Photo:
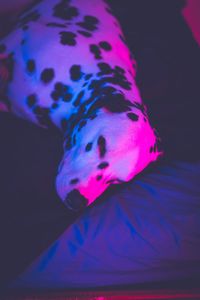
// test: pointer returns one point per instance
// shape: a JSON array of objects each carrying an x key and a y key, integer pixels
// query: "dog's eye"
[{"x": 115, "y": 181}]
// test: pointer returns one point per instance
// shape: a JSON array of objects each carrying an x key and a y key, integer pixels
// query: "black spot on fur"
[
  {"x": 75, "y": 72},
  {"x": 30, "y": 65},
  {"x": 67, "y": 38},
  {"x": 72, "y": 122},
  {"x": 74, "y": 181},
  {"x": 91, "y": 19},
  {"x": 55, "y": 95},
  {"x": 84, "y": 33},
  {"x": 31, "y": 100},
  {"x": 54, "y": 24},
  {"x": 42, "y": 114},
  {"x": 104, "y": 68},
  {"x": 133, "y": 116},
  {"x": 67, "y": 97},
  {"x": 105, "y": 46},
  {"x": 103, "y": 165},
  {"x": 60, "y": 87},
  {"x": 119, "y": 80},
  {"x": 110, "y": 98},
  {"x": 102, "y": 146},
  {"x": 61, "y": 92},
  {"x": 78, "y": 98},
  {"x": 37, "y": 110},
  {"x": 117, "y": 104},
  {"x": 108, "y": 90},
  {"x": 89, "y": 23},
  {"x": 2, "y": 48},
  {"x": 82, "y": 124},
  {"x": 119, "y": 70},
  {"x": 151, "y": 149},
  {"x": 94, "y": 49},
  {"x": 94, "y": 107},
  {"x": 88, "y": 147},
  {"x": 64, "y": 11},
  {"x": 47, "y": 75},
  {"x": 90, "y": 100},
  {"x": 94, "y": 85},
  {"x": 68, "y": 144},
  {"x": 54, "y": 105},
  {"x": 88, "y": 76},
  {"x": 99, "y": 177}
]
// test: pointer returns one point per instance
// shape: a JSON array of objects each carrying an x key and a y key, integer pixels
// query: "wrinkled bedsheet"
[{"x": 147, "y": 230}]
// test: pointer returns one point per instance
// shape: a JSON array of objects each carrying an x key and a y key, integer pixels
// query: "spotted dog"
[{"x": 66, "y": 64}]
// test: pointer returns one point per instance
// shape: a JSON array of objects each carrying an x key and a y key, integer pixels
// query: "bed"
[{"x": 140, "y": 239}]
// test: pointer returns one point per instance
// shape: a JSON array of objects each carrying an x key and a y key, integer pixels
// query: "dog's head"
[{"x": 110, "y": 149}]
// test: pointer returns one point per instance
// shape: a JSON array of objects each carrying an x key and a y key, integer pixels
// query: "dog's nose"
[{"x": 75, "y": 201}]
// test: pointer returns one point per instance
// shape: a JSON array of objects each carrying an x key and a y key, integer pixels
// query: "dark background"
[{"x": 168, "y": 60}]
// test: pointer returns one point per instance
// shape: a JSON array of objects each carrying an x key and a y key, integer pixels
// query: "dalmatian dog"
[{"x": 66, "y": 64}]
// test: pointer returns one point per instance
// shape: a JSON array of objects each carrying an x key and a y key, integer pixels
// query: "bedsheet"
[{"x": 144, "y": 231}]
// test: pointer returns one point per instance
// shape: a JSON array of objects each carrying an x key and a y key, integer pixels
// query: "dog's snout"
[{"x": 75, "y": 201}]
